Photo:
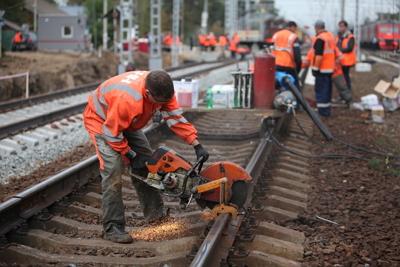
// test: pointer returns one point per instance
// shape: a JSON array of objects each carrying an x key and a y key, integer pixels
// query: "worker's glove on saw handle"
[{"x": 201, "y": 152}]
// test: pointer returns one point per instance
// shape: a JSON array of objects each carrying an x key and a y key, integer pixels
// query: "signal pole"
[
  {"x": 176, "y": 8},
  {"x": 105, "y": 34},
  {"x": 357, "y": 31},
  {"x": 342, "y": 9}
]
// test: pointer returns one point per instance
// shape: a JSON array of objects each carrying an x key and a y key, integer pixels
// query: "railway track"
[
  {"x": 57, "y": 222},
  {"x": 44, "y": 109},
  {"x": 390, "y": 57}
]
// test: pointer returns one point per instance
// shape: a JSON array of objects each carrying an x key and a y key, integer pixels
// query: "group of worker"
[
  {"x": 210, "y": 42},
  {"x": 328, "y": 56}
]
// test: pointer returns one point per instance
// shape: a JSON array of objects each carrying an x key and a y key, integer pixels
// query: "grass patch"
[{"x": 384, "y": 166}]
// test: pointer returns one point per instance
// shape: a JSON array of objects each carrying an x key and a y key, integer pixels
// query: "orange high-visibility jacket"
[
  {"x": 121, "y": 104},
  {"x": 310, "y": 56},
  {"x": 327, "y": 64},
  {"x": 18, "y": 38},
  {"x": 212, "y": 40},
  {"x": 201, "y": 38},
  {"x": 168, "y": 40},
  {"x": 234, "y": 42},
  {"x": 222, "y": 41},
  {"x": 283, "y": 48},
  {"x": 349, "y": 59}
]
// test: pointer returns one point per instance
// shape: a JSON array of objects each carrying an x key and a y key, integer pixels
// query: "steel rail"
[
  {"x": 39, "y": 120},
  {"x": 37, "y": 99},
  {"x": 215, "y": 248},
  {"x": 29, "y": 202},
  {"x": 43, "y": 119},
  {"x": 34, "y": 100}
]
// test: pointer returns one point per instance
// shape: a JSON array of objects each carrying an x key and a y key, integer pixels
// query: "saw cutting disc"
[{"x": 234, "y": 173}]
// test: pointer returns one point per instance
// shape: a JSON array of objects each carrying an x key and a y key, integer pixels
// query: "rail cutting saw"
[{"x": 221, "y": 186}]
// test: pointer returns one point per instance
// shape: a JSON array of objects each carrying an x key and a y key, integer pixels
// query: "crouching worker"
[{"x": 114, "y": 116}]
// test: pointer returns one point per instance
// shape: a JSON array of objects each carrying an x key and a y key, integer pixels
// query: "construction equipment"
[{"x": 222, "y": 186}]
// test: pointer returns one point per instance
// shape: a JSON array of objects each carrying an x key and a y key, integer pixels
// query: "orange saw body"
[{"x": 174, "y": 176}]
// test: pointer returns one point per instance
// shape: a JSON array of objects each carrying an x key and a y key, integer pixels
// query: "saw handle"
[{"x": 199, "y": 166}]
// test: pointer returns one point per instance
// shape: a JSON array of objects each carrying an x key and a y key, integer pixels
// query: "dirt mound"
[{"x": 52, "y": 71}]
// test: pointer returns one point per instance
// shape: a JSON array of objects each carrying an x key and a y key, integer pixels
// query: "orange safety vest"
[
  {"x": 222, "y": 41},
  {"x": 234, "y": 42},
  {"x": 349, "y": 59},
  {"x": 328, "y": 58},
  {"x": 310, "y": 56},
  {"x": 201, "y": 38},
  {"x": 18, "y": 38},
  {"x": 212, "y": 39},
  {"x": 283, "y": 48},
  {"x": 168, "y": 40},
  {"x": 121, "y": 104}
]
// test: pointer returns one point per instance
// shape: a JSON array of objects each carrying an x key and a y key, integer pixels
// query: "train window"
[{"x": 389, "y": 29}]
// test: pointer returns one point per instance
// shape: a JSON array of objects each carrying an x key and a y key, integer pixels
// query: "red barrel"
[{"x": 264, "y": 81}]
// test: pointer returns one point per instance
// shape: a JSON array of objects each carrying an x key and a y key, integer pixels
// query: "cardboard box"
[{"x": 389, "y": 90}]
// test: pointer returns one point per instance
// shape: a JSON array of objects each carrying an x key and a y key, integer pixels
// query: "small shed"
[
  {"x": 61, "y": 32},
  {"x": 59, "y": 28}
]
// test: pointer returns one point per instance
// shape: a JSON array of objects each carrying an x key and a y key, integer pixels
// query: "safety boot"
[{"x": 117, "y": 234}]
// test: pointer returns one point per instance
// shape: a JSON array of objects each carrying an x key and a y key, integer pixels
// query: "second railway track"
[
  {"x": 57, "y": 222},
  {"x": 44, "y": 109}
]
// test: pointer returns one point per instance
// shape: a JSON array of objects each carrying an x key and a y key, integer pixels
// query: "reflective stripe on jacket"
[
  {"x": 283, "y": 48},
  {"x": 121, "y": 104}
]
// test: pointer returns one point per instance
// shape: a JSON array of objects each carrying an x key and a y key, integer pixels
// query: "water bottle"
[{"x": 209, "y": 98}]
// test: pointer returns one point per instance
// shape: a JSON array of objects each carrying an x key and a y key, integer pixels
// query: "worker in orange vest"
[
  {"x": 286, "y": 50},
  {"x": 18, "y": 37},
  {"x": 213, "y": 40},
  {"x": 222, "y": 42},
  {"x": 337, "y": 75},
  {"x": 167, "y": 41},
  {"x": 114, "y": 117},
  {"x": 233, "y": 44},
  {"x": 206, "y": 42},
  {"x": 346, "y": 43},
  {"x": 201, "y": 38},
  {"x": 323, "y": 65}
]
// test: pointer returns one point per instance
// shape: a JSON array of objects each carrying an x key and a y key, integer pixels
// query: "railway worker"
[
  {"x": 233, "y": 44},
  {"x": 286, "y": 50},
  {"x": 322, "y": 65},
  {"x": 222, "y": 41},
  {"x": 114, "y": 116},
  {"x": 212, "y": 40},
  {"x": 346, "y": 43},
  {"x": 201, "y": 39}
]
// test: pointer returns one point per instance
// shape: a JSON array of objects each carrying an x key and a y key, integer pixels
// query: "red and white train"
[{"x": 381, "y": 35}]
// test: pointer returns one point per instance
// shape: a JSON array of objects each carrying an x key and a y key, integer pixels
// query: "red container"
[
  {"x": 264, "y": 81},
  {"x": 143, "y": 45}
]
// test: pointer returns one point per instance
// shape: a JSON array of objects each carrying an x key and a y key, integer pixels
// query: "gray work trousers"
[{"x": 111, "y": 184}]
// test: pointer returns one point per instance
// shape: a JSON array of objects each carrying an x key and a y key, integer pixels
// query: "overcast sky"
[{"x": 306, "y": 12}]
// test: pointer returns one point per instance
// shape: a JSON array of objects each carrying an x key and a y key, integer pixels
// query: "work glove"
[{"x": 201, "y": 152}]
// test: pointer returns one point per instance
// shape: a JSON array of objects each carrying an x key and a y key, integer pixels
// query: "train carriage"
[{"x": 381, "y": 35}]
